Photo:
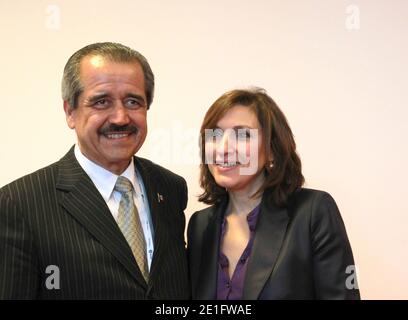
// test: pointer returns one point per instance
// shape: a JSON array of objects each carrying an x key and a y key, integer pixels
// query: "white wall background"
[{"x": 338, "y": 69}]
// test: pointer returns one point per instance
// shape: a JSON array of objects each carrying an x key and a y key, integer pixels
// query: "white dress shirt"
[{"x": 105, "y": 181}]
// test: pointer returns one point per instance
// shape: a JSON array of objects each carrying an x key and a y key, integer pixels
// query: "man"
[{"x": 100, "y": 223}]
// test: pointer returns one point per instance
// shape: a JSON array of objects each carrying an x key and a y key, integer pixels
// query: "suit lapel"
[
  {"x": 152, "y": 187},
  {"x": 207, "y": 279},
  {"x": 83, "y": 201},
  {"x": 269, "y": 235}
]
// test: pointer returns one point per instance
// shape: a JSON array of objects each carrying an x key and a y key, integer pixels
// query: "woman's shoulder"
[
  {"x": 199, "y": 222},
  {"x": 318, "y": 205},
  {"x": 203, "y": 214},
  {"x": 306, "y": 195}
]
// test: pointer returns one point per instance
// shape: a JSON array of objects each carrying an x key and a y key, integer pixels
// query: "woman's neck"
[{"x": 241, "y": 202}]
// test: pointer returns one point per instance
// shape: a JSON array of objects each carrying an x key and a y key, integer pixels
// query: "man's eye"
[
  {"x": 101, "y": 102},
  {"x": 133, "y": 103}
]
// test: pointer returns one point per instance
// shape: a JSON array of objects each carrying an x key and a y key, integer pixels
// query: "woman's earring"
[{"x": 271, "y": 164}]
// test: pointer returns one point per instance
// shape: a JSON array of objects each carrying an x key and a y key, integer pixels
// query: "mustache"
[{"x": 110, "y": 128}]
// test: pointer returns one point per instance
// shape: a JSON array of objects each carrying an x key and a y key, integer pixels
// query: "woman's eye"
[
  {"x": 243, "y": 134},
  {"x": 218, "y": 133},
  {"x": 212, "y": 135}
]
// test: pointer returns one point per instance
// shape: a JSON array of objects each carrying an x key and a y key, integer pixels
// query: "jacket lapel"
[
  {"x": 83, "y": 201},
  {"x": 269, "y": 235},
  {"x": 207, "y": 279},
  {"x": 152, "y": 187}
]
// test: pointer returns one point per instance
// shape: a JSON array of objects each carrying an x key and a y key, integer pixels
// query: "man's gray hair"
[{"x": 115, "y": 52}]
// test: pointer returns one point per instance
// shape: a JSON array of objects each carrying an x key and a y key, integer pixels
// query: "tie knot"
[{"x": 123, "y": 185}]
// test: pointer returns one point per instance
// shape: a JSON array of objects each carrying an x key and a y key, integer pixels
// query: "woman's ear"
[{"x": 270, "y": 161}]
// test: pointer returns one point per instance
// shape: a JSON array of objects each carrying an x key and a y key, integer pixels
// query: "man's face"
[{"x": 110, "y": 119}]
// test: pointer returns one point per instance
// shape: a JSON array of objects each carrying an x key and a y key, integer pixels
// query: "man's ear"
[{"x": 69, "y": 115}]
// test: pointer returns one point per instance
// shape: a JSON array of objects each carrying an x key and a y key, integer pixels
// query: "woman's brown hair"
[{"x": 285, "y": 176}]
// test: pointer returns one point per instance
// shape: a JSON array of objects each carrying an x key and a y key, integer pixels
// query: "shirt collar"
[{"x": 103, "y": 179}]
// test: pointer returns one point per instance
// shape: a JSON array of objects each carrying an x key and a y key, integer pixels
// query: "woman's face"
[{"x": 234, "y": 151}]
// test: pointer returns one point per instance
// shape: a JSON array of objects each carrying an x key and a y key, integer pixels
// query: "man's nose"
[{"x": 120, "y": 114}]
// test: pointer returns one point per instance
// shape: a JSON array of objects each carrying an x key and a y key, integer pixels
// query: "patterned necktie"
[{"x": 129, "y": 223}]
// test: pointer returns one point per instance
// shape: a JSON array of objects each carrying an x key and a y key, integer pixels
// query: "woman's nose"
[{"x": 226, "y": 146}]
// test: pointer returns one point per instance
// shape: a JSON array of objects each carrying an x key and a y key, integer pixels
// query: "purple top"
[{"x": 233, "y": 289}]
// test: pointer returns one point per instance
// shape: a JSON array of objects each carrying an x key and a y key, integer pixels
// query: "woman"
[{"x": 264, "y": 236}]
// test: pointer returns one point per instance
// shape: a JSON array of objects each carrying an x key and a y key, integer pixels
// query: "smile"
[
  {"x": 117, "y": 135},
  {"x": 227, "y": 165}
]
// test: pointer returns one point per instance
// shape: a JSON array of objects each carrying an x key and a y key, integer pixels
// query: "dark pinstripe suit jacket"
[{"x": 56, "y": 216}]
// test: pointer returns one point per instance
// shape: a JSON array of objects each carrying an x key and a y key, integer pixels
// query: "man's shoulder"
[
  {"x": 154, "y": 169},
  {"x": 32, "y": 182},
  {"x": 44, "y": 177}
]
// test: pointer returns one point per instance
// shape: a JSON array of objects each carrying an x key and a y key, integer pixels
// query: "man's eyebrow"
[
  {"x": 136, "y": 96},
  {"x": 96, "y": 97},
  {"x": 103, "y": 95}
]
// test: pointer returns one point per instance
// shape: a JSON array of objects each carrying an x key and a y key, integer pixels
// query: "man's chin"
[
  {"x": 119, "y": 156},
  {"x": 116, "y": 164}
]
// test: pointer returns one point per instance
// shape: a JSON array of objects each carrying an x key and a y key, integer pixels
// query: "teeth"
[
  {"x": 117, "y": 135},
  {"x": 228, "y": 165}
]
